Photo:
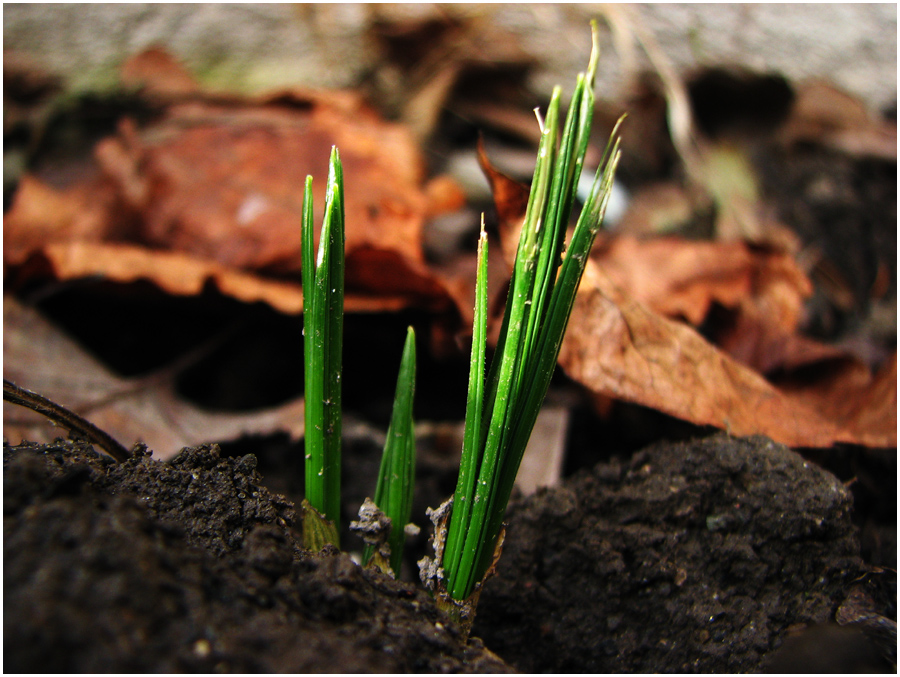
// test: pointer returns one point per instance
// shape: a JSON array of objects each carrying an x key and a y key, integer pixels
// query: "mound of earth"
[{"x": 193, "y": 566}]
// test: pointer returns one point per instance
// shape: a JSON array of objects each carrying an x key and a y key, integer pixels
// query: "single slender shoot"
[
  {"x": 502, "y": 410},
  {"x": 323, "y": 319},
  {"x": 394, "y": 490}
]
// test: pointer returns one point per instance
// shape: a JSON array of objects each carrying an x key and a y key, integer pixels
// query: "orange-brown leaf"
[{"x": 621, "y": 345}]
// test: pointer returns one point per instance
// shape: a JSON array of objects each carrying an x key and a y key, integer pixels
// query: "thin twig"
[{"x": 64, "y": 418}]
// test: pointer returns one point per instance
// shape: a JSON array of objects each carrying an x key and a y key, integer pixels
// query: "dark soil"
[
  {"x": 193, "y": 566},
  {"x": 692, "y": 557}
]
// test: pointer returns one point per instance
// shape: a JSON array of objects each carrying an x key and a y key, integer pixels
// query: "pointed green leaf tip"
[
  {"x": 323, "y": 319},
  {"x": 394, "y": 491},
  {"x": 501, "y": 413}
]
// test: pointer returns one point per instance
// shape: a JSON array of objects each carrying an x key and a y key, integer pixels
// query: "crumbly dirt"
[
  {"x": 693, "y": 557},
  {"x": 193, "y": 566}
]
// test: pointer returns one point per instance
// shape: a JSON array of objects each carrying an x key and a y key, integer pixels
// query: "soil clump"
[
  {"x": 192, "y": 565},
  {"x": 692, "y": 557},
  {"x": 700, "y": 557}
]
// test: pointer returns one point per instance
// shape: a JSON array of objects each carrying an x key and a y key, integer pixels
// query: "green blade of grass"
[
  {"x": 522, "y": 421},
  {"x": 334, "y": 318},
  {"x": 313, "y": 361},
  {"x": 540, "y": 300},
  {"x": 323, "y": 292},
  {"x": 510, "y": 360},
  {"x": 394, "y": 490},
  {"x": 465, "y": 487}
]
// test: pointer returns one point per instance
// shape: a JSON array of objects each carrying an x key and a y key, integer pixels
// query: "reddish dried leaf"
[
  {"x": 40, "y": 215},
  {"x": 681, "y": 279},
  {"x": 184, "y": 275},
  {"x": 618, "y": 347},
  {"x": 510, "y": 197},
  {"x": 844, "y": 390},
  {"x": 214, "y": 192},
  {"x": 225, "y": 183},
  {"x": 824, "y": 114}
]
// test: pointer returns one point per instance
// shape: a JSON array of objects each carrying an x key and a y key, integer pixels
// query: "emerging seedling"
[
  {"x": 323, "y": 323},
  {"x": 502, "y": 410},
  {"x": 394, "y": 491}
]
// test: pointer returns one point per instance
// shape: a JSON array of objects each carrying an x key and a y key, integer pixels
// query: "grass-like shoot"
[
  {"x": 323, "y": 323},
  {"x": 394, "y": 490},
  {"x": 501, "y": 410}
]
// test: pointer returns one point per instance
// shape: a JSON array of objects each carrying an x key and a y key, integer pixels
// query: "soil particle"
[
  {"x": 192, "y": 566},
  {"x": 695, "y": 557}
]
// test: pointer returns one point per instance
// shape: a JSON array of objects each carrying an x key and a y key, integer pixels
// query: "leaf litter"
[
  {"x": 208, "y": 193},
  {"x": 621, "y": 343},
  {"x": 41, "y": 357},
  {"x": 168, "y": 198}
]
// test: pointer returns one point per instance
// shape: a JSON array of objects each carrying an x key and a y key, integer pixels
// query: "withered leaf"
[
  {"x": 618, "y": 346},
  {"x": 40, "y": 357},
  {"x": 681, "y": 278},
  {"x": 216, "y": 186},
  {"x": 826, "y": 115}
]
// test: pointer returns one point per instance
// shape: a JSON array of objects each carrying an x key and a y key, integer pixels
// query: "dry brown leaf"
[
  {"x": 681, "y": 278},
  {"x": 226, "y": 183},
  {"x": 845, "y": 391},
  {"x": 618, "y": 347},
  {"x": 38, "y": 356},
  {"x": 217, "y": 187},
  {"x": 824, "y": 114},
  {"x": 40, "y": 214},
  {"x": 183, "y": 275}
]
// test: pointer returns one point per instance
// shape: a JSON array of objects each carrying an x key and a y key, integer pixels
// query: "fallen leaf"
[
  {"x": 158, "y": 74},
  {"x": 429, "y": 59},
  {"x": 40, "y": 214},
  {"x": 40, "y": 357},
  {"x": 226, "y": 183},
  {"x": 824, "y": 114},
  {"x": 845, "y": 391},
  {"x": 617, "y": 346},
  {"x": 681, "y": 278},
  {"x": 213, "y": 192},
  {"x": 181, "y": 275}
]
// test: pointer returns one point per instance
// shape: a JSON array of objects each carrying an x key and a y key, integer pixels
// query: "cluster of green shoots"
[{"x": 503, "y": 404}]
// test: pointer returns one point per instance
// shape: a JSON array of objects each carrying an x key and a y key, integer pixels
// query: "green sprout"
[
  {"x": 394, "y": 491},
  {"x": 323, "y": 322},
  {"x": 502, "y": 410}
]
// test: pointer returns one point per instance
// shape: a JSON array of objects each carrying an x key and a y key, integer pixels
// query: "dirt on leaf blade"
[
  {"x": 695, "y": 557},
  {"x": 192, "y": 566}
]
